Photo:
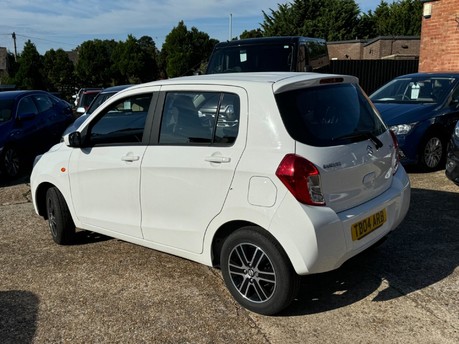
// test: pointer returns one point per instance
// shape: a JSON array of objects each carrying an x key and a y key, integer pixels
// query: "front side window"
[
  {"x": 122, "y": 122},
  {"x": 329, "y": 115},
  {"x": 6, "y": 109},
  {"x": 200, "y": 118}
]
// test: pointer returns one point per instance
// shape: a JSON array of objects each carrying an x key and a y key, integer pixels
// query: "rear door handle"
[
  {"x": 218, "y": 159},
  {"x": 130, "y": 158}
]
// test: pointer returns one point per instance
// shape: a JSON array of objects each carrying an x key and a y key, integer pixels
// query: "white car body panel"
[{"x": 105, "y": 184}]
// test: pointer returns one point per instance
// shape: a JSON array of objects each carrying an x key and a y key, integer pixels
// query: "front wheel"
[
  {"x": 257, "y": 272},
  {"x": 432, "y": 153},
  {"x": 60, "y": 221}
]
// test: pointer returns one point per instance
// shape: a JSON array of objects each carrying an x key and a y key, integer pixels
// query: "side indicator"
[{"x": 63, "y": 169}]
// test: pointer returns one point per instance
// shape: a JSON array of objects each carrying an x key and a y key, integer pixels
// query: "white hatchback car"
[{"x": 267, "y": 176}]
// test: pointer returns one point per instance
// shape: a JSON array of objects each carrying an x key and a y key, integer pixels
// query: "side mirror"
[
  {"x": 81, "y": 110},
  {"x": 73, "y": 139}
]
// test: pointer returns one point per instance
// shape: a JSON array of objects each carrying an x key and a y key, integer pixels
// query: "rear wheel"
[
  {"x": 60, "y": 221},
  {"x": 432, "y": 154},
  {"x": 257, "y": 271}
]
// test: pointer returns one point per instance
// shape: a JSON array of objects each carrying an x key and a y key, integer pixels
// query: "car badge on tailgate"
[
  {"x": 332, "y": 165},
  {"x": 369, "y": 150}
]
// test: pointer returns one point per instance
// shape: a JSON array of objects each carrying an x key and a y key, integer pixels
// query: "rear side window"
[
  {"x": 328, "y": 115},
  {"x": 43, "y": 103},
  {"x": 192, "y": 118},
  {"x": 27, "y": 106}
]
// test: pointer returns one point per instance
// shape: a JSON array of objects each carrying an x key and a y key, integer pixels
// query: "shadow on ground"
[
  {"x": 18, "y": 316},
  {"x": 421, "y": 252}
]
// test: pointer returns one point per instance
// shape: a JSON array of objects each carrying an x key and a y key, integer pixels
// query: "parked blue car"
[
  {"x": 452, "y": 158},
  {"x": 422, "y": 110},
  {"x": 30, "y": 123}
]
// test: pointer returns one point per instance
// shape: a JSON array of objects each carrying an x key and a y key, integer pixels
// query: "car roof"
[
  {"x": 21, "y": 93},
  {"x": 115, "y": 88},
  {"x": 281, "y": 81},
  {"x": 267, "y": 40},
  {"x": 430, "y": 74},
  {"x": 92, "y": 91}
]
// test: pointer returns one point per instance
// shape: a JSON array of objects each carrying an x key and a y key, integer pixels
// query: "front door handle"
[{"x": 130, "y": 158}]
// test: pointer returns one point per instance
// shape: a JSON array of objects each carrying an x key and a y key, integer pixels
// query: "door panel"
[
  {"x": 105, "y": 187},
  {"x": 186, "y": 178},
  {"x": 105, "y": 175}
]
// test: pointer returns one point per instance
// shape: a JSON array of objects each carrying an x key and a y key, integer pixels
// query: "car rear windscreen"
[{"x": 329, "y": 115}]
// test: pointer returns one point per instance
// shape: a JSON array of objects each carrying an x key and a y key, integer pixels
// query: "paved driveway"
[{"x": 109, "y": 291}]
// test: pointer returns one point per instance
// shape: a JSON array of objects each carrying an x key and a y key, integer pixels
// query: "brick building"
[
  {"x": 384, "y": 47},
  {"x": 440, "y": 36}
]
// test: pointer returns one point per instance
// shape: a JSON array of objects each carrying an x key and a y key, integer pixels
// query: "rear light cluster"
[
  {"x": 397, "y": 155},
  {"x": 302, "y": 179}
]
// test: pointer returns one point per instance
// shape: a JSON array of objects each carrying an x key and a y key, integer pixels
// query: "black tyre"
[
  {"x": 432, "y": 153},
  {"x": 60, "y": 221},
  {"x": 257, "y": 271},
  {"x": 10, "y": 163}
]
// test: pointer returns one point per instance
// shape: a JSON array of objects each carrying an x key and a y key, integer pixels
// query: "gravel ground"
[{"x": 103, "y": 290}]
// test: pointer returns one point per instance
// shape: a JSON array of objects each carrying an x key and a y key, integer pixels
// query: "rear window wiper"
[{"x": 359, "y": 135}]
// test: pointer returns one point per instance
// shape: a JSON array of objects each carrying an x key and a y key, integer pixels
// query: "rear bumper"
[{"x": 322, "y": 240}]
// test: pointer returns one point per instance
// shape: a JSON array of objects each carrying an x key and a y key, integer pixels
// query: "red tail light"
[
  {"x": 301, "y": 178},
  {"x": 396, "y": 157}
]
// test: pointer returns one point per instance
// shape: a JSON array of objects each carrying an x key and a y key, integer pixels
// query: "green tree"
[
  {"x": 96, "y": 66},
  {"x": 184, "y": 51},
  {"x": 59, "y": 70},
  {"x": 255, "y": 33},
  {"x": 136, "y": 60},
  {"x": 400, "y": 18},
  {"x": 337, "y": 20},
  {"x": 332, "y": 20},
  {"x": 30, "y": 72},
  {"x": 151, "y": 55}
]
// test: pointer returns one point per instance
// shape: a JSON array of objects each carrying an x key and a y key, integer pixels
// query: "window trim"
[
  {"x": 157, "y": 120},
  {"x": 147, "y": 127}
]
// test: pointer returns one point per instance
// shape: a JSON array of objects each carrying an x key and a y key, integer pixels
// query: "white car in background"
[{"x": 266, "y": 176}]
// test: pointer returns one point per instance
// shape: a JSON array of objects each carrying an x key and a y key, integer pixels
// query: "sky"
[{"x": 68, "y": 23}]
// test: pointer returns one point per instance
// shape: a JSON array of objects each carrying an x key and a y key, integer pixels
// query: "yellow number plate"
[{"x": 368, "y": 225}]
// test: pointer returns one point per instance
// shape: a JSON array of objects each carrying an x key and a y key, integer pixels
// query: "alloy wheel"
[
  {"x": 52, "y": 218},
  {"x": 11, "y": 162},
  {"x": 252, "y": 272},
  {"x": 433, "y": 152}
]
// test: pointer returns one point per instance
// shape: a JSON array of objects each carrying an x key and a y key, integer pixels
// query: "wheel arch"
[
  {"x": 40, "y": 198},
  {"x": 230, "y": 227},
  {"x": 435, "y": 128}
]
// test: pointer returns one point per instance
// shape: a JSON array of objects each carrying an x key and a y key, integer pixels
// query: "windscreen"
[
  {"x": 252, "y": 58},
  {"x": 329, "y": 115},
  {"x": 426, "y": 89}
]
